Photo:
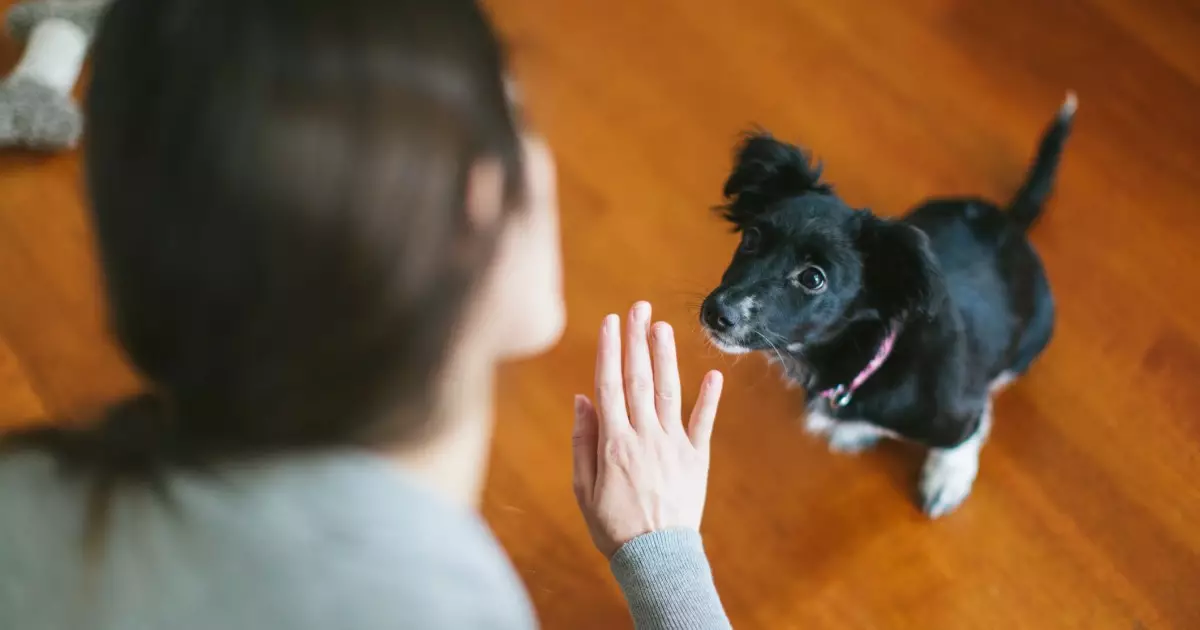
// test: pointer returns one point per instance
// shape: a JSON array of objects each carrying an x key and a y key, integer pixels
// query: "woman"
[{"x": 321, "y": 228}]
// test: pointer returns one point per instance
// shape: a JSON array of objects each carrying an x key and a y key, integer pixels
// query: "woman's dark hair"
[{"x": 278, "y": 192}]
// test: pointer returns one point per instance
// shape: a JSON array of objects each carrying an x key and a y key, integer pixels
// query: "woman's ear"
[
  {"x": 901, "y": 276},
  {"x": 520, "y": 309},
  {"x": 485, "y": 194},
  {"x": 767, "y": 170}
]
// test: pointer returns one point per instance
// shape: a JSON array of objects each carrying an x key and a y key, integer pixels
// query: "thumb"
[
  {"x": 583, "y": 445},
  {"x": 704, "y": 414}
]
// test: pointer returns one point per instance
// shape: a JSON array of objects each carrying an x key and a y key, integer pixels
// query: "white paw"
[
  {"x": 853, "y": 437},
  {"x": 946, "y": 480},
  {"x": 818, "y": 423},
  {"x": 843, "y": 436},
  {"x": 949, "y": 473}
]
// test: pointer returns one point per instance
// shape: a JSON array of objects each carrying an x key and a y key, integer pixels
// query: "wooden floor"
[{"x": 1087, "y": 510}]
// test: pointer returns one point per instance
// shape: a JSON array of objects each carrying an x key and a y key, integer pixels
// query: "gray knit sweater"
[{"x": 342, "y": 541}]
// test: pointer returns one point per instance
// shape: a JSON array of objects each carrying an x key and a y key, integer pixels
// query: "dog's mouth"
[
  {"x": 727, "y": 343},
  {"x": 744, "y": 339}
]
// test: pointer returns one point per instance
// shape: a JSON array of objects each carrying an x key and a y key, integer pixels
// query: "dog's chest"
[{"x": 821, "y": 418}]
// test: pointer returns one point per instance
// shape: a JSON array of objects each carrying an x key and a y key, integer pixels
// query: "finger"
[
  {"x": 639, "y": 376},
  {"x": 704, "y": 414},
  {"x": 583, "y": 448},
  {"x": 610, "y": 390},
  {"x": 666, "y": 378}
]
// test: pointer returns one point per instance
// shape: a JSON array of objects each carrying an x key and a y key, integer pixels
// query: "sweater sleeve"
[{"x": 667, "y": 582}]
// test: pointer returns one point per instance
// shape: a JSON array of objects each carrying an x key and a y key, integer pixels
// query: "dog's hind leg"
[
  {"x": 1034, "y": 339},
  {"x": 949, "y": 473}
]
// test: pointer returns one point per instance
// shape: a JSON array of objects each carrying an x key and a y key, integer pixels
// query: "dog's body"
[{"x": 899, "y": 329}]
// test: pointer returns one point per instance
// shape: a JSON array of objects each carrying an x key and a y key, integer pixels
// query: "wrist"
[{"x": 665, "y": 574}]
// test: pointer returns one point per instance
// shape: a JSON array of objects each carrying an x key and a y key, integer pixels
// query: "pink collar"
[{"x": 840, "y": 396}]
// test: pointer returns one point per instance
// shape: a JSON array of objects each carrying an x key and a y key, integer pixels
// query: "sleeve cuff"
[{"x": 667, "y": 581}]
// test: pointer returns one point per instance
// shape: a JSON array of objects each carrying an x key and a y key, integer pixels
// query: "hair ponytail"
[{"x": 135, "y": 439}]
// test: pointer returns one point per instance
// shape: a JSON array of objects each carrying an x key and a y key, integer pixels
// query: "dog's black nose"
[{"x": 717, "y": 315}]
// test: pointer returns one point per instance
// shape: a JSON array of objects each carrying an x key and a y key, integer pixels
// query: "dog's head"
[{"x": 808, "y": 265}]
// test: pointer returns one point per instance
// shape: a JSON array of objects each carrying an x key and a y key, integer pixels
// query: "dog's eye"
[
  {"x": 750, "y": 240},
  {"x": 811, "y": 279}
]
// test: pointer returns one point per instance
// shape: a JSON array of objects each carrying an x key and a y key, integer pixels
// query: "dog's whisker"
[
  {"x": 778, "y": 354},
  {"x": 770, "y": 345}
]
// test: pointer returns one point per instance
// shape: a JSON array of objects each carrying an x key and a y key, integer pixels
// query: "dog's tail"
[{"x": 1039, "y": 182}]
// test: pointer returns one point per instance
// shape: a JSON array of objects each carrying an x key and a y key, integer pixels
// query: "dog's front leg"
[
  {"x": 843, "y": 436},
  {"x": 949, "y": 473}
]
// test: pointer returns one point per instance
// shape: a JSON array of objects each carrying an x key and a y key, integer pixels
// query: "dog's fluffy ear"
[
  {"x": 766, "y": 170},
  {"x": 901, "y": 277}
]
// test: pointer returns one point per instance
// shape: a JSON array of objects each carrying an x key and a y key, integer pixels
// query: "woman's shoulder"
[
  {"x": 36, "y": 501},
  {"x": 341, "y": 540}
]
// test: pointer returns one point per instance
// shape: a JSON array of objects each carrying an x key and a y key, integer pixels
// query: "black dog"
[{"x": 898, "y": 328}]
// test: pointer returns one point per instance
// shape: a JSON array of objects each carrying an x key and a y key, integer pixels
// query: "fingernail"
[
  {"x": 578, "y": 406},
  {"x": 663, "y": 331},
  {"x": 641, "y": 311}
]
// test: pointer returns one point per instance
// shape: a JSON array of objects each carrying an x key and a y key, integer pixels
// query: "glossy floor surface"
[{"x": 1086, "y": 513}]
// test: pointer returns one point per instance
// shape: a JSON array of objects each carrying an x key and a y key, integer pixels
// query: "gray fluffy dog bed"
[{"x": 37, "y": 110}]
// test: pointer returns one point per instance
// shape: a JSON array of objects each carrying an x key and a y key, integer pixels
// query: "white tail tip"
[{"x": 1070, "y": 104}]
